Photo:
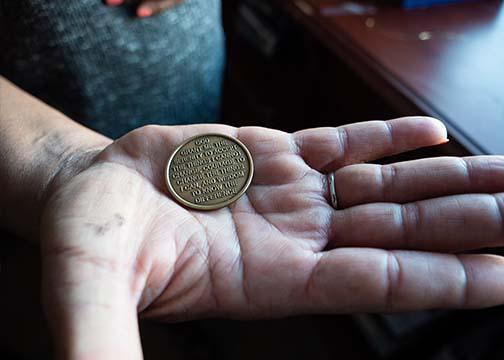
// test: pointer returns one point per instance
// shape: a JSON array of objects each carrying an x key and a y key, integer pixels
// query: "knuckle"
[{"x": 393, "y": 280}]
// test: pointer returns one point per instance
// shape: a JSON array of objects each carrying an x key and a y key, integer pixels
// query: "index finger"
[{"x": 349, "y": 280}]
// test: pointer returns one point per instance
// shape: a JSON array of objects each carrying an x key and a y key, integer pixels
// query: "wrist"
[
  {"x": 70, "y": 165},
  {"x": 40, "y": 148},
  {"x": 53, "y": 173}
]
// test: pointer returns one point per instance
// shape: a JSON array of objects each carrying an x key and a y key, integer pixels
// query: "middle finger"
[{"x": 452, "y": 223}]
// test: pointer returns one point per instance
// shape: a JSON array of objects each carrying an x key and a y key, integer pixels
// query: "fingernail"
[
  {"x": 144, "y": 11},
  {"x": 114, "y": 2}
]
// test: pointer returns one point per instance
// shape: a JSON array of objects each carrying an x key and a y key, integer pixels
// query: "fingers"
[
  {"x": 148, "y": 7},
  {"x": 328, "y": 149},
  {"x": 451, "y": 223},
  {"x": 152, "y": 7},
  {"x": 418, "y": 180},
  {"x": 349, "y": 280},
  {"x": 114, "y": 2},
  {"x": 276, "y": 154}
]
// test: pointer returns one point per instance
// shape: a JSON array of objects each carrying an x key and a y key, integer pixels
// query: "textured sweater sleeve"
[{"x": 108, "y": 69}]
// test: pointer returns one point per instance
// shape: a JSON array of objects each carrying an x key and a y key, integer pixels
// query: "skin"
[
  {"x": 116, "y": 246},
  {"x": 147, "y": 8}
]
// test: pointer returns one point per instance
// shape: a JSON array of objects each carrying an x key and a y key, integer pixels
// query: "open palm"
[{"x": 115, "y": 244}]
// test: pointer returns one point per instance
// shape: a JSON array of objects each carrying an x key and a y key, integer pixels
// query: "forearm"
[{"x": 37, "y": 143}]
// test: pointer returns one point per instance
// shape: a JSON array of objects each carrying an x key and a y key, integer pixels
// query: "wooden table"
[{"x": 445, "y": 61}]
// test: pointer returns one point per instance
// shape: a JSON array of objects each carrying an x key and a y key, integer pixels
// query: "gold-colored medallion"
[{"x": 209, "y": 172}]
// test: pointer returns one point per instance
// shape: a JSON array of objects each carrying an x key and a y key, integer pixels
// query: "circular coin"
[{"x": 209, "y": 172}]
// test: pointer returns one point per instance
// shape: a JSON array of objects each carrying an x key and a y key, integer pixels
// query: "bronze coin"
[{"x": 209, "y": 172}]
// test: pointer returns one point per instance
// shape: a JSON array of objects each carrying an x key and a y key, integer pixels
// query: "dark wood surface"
[{"x": 444, "y": 61}]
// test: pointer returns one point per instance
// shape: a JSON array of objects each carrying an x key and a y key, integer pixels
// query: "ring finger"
[{"x": 417, "y": 180}]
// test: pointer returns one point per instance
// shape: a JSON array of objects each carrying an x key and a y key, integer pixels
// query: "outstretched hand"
[{"x": 116, "y": 245}]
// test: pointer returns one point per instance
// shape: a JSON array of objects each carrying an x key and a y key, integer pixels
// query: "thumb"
[
  {"x": 87, "y": 288},
  {"x": 90, "y": 280},
  {"x": 91, "y": 312}
]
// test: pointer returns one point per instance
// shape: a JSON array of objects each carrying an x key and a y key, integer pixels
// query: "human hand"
[
  {"x": 115, "y": 244},
  {"x": 148, "y": 8}
]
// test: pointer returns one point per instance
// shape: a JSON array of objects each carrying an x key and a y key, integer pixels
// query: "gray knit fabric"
[{"x": 108, "y": 69}]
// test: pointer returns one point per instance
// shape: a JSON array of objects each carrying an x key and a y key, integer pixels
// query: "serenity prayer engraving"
[{"x": 209, "y": 172}]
